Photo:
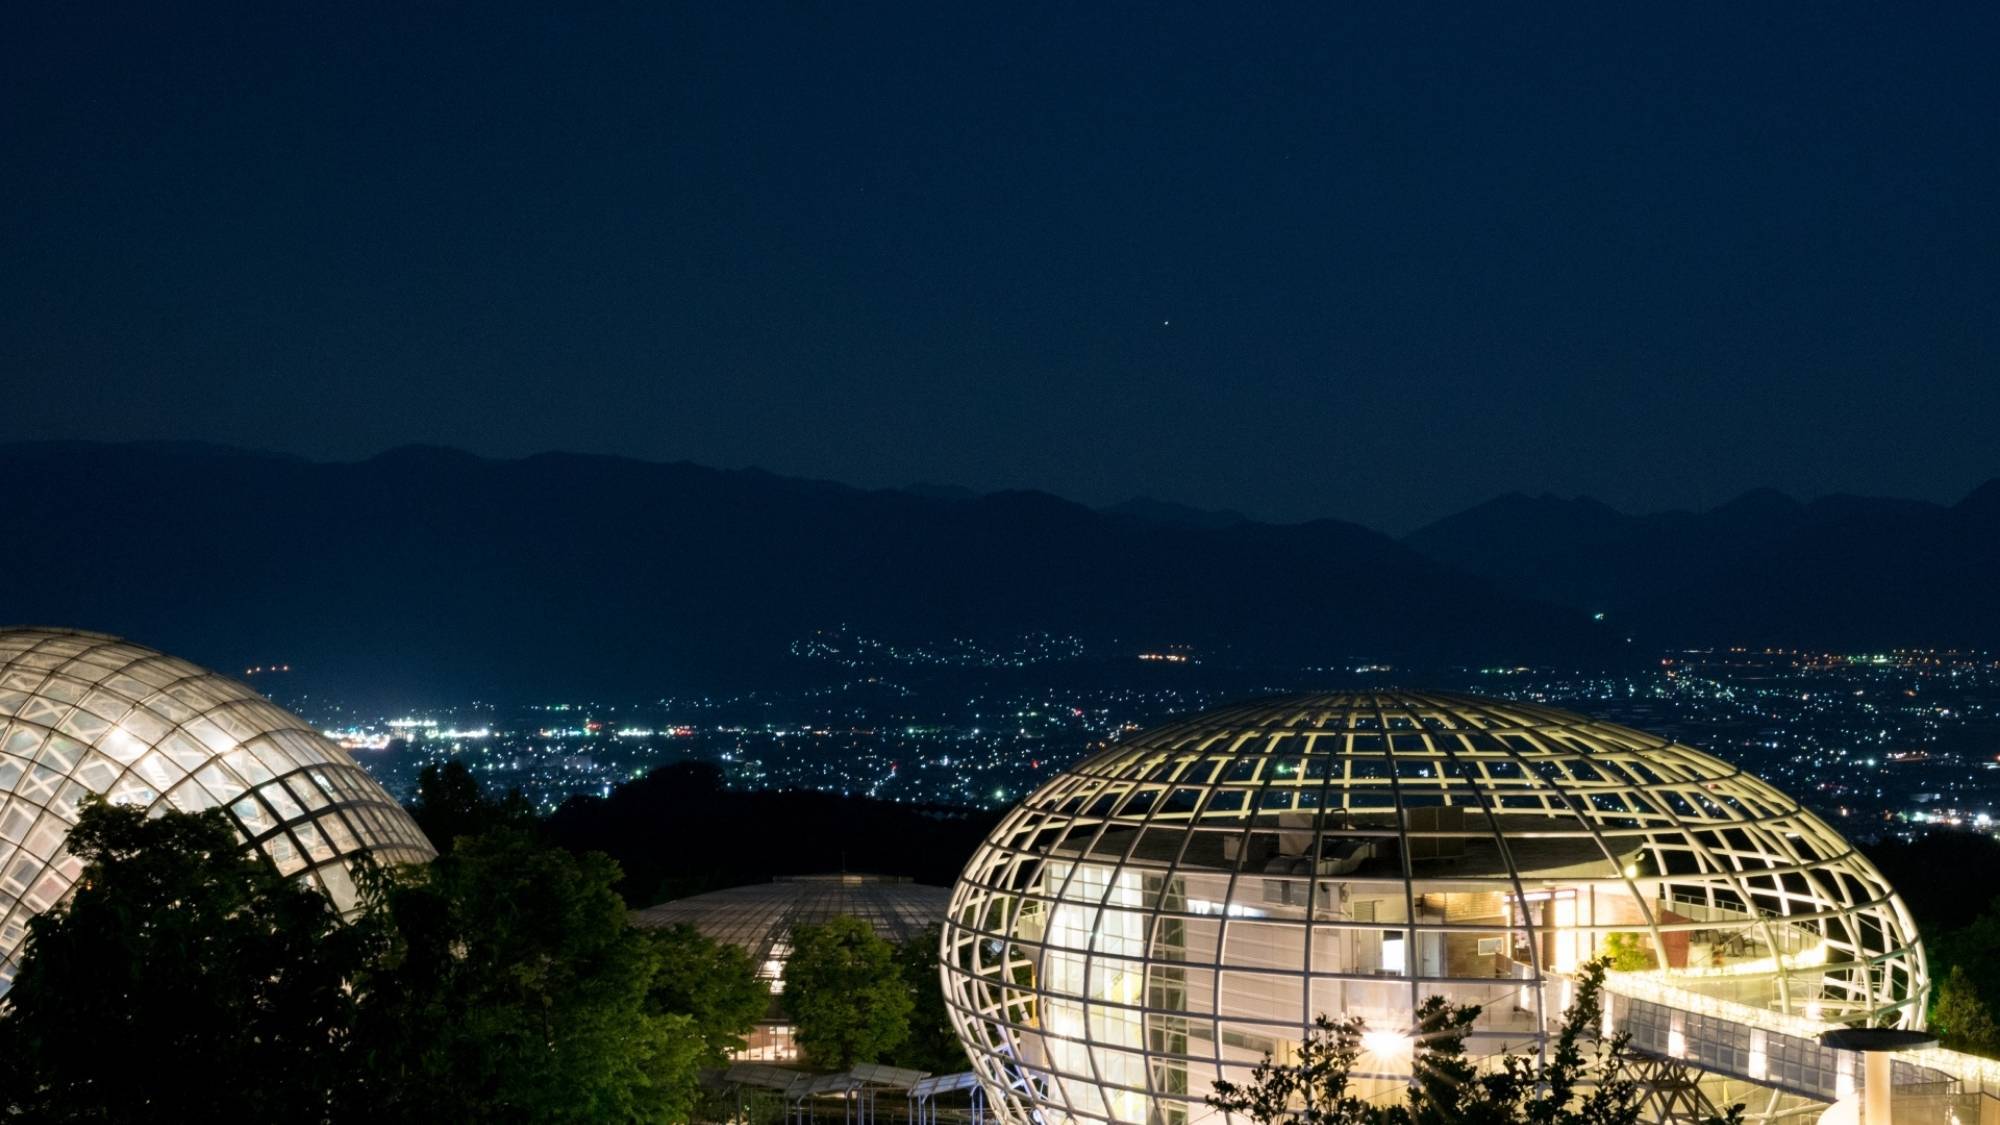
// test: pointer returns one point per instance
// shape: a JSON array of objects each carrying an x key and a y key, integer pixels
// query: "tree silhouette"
[
  {"x": 450, "y": 803},
  {"x": 184, "y": 979}
]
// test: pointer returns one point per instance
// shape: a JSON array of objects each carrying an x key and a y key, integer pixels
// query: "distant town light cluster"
[
  {"x": 1885, "y": 744},
  {"x": 846, "y": 648}
]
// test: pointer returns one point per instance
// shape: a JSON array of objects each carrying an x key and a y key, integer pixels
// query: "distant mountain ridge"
[
  {"x": 569, "y": 573},
  {"x": 565, "y": 573},
  {"x": 1178, "y": 515},
  {"x": 1764, "y": 568}
]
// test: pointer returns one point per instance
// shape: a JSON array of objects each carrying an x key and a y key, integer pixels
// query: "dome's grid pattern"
[
  {"x": 759, "y": 918},
  {"x": 1170, "y": 909},
  {"x": 83, "y": 713}
]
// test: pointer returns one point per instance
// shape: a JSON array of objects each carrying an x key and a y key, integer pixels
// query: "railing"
[{"x": 1778, "y": 1049}]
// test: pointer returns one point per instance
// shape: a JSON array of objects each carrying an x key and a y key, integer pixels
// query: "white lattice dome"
[
  {"x": 84, "y": 713},
  {"x": 1175, "y": 907}
]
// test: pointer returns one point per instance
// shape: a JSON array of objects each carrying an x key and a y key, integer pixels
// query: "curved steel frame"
[
  {"x": 1089, "y": 984},
  {"x": 84, "y": 713}
]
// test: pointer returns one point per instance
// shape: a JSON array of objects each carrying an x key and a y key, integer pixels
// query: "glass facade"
[
  {"x": 1171, "y": 910},
  {"x": 83, "y": 713}
]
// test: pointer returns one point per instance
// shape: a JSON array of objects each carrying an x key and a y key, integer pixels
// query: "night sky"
[{"x": 1378, "y": 263}]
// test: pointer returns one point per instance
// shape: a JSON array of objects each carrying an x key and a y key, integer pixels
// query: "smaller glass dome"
[{"x": 84, "y": 713}]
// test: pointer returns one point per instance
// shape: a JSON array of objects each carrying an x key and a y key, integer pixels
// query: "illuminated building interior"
[
  {"x": 1174, "y": 908},
  {"x": 759, "y": 918},
  {"x": 84, "y": 713}
]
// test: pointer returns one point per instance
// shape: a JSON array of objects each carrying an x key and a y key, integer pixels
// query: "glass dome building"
[
  {"x": 84, "y": 713},
  {"x": 758, "y": 919},
  {"x": 1179, "y": 905}
]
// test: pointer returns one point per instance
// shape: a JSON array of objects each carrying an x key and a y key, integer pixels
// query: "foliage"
[
  {"x": 845, "y": 994},
  {"x": 1960, "y": 930},
  {"x": 515, "y": 991},
  {"x": 1929, "y": 875},
  {"x": 1627, "y": 952},
  {"x": 662, "y": 830},
  {"x": 712, "y": 983},
  {"x": 185, "y": 979},
  {"x": 932, "y": 1045},
  {"x": 1583, "y": 1083},
  {"x": 1961, "y": 1018},
  {"x": 451, "y": 804}
]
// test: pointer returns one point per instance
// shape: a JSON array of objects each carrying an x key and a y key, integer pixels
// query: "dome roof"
[
  {"x": 84, "y": 713},
  {"x": 759, "y": 917},
  {"x": 1214, "y": 883}
]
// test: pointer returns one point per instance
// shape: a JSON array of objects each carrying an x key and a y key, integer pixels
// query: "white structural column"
[
  {"x": 1875, "y": 1088},
  {"x": 1877, "y": 1047}
]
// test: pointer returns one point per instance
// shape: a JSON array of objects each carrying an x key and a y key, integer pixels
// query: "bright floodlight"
[
  {"x": 83, "y": 713},
  {"x": 1172, "y": 909}
]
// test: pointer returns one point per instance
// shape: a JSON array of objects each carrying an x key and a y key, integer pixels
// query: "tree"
[
  {"x": 1961, "y": 1018},
  {"x": 515, "y": 991},
  {"x": 185, "y": 979},
  {"x": 662, "y": 829},
  {"x": 1627, "y": 952},
  {"x": 932, "y": 1044},
  {"x": 1578, "y": 1085},
  {"x": 451, "y": 804},
  {"x": 845, "y": 994},
  {"x": 713, "y": 984}
]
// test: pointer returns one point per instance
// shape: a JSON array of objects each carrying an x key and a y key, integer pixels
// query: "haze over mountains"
[{"x": 432, "y": 572}]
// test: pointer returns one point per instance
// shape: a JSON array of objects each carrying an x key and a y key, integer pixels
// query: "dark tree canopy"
[
  {"x": 845, "y": 994},
  {"x": 185, "y": 979},
  {"x": 450, "y": 803},
  {"x": 663, "y": 827},
  {"x": 932, "y": 1044},
  {"x": 516, "y": 991},
  {"x": 1960, "y": 930},
  {"x": 711, "y": 983}
]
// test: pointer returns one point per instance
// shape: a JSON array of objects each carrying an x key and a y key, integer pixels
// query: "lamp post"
[{"x": 1877, "y": 1046}]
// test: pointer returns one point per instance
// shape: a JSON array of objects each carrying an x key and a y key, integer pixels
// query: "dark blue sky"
[{"x": 1377, "y": 263}]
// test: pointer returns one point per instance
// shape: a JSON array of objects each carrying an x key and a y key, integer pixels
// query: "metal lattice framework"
[
  {"x": 1175, "y": 907},
  {"x": 84, "y": 713},
  {"x": 758, "y": 918}
]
